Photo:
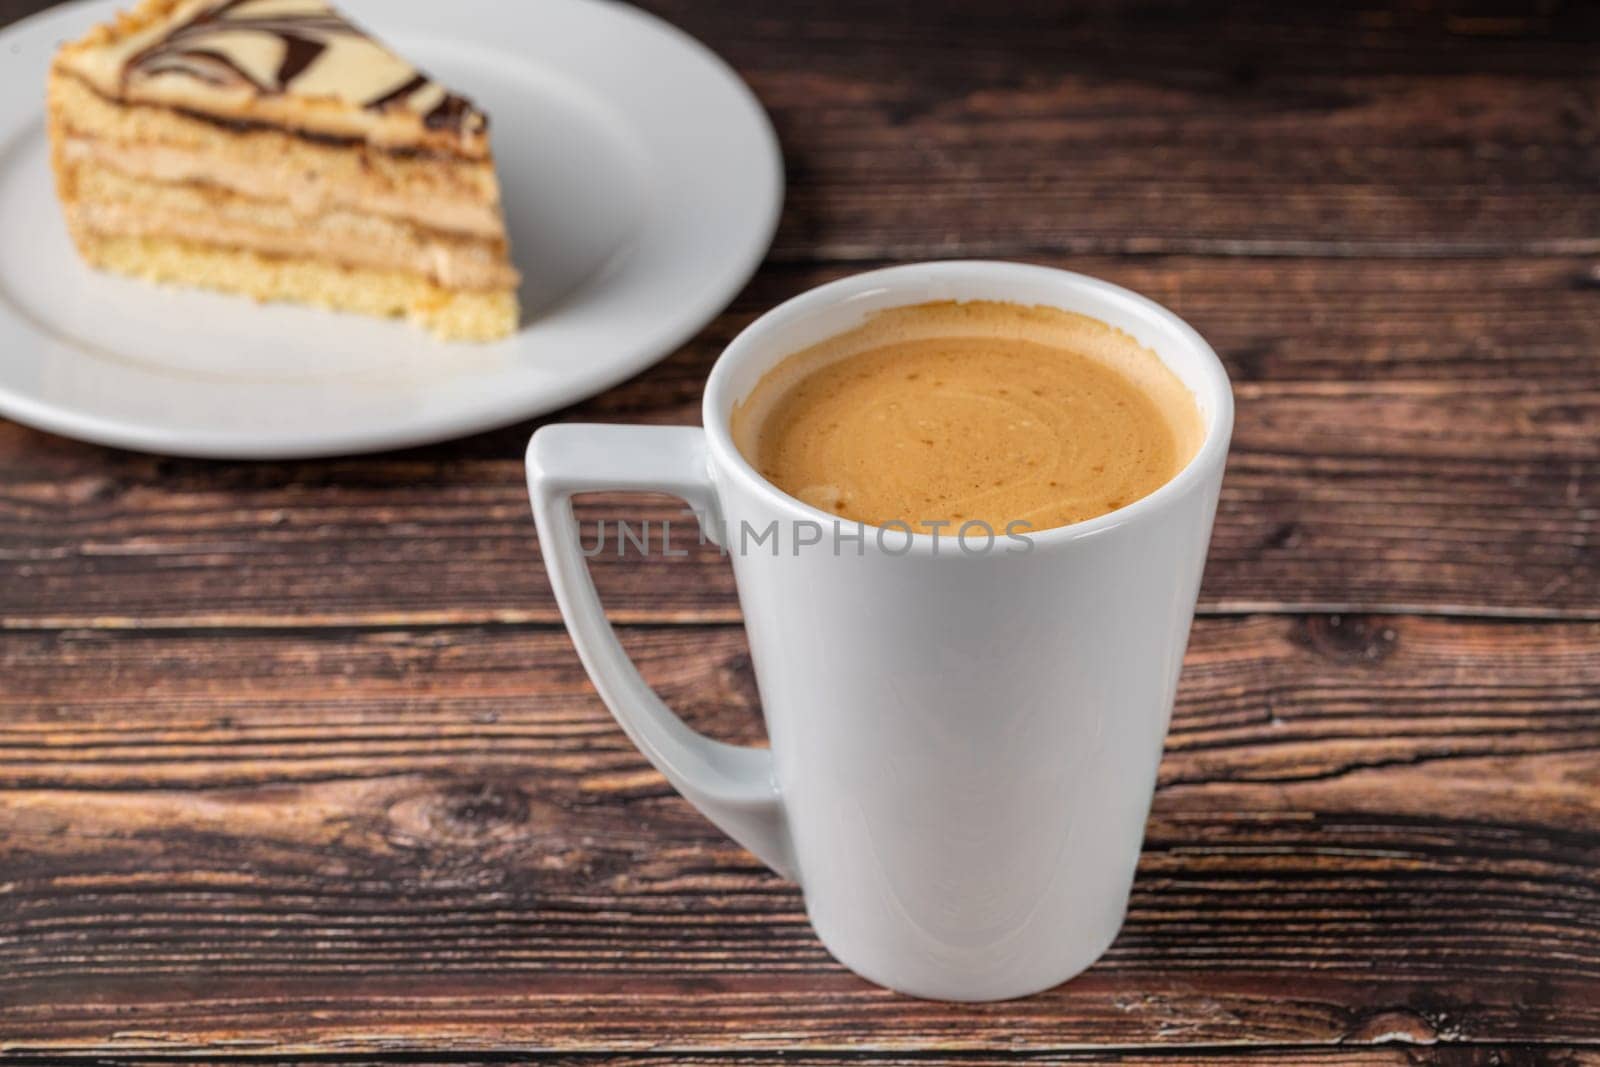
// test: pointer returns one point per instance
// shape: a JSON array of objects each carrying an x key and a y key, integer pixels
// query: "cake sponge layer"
[
  {"x": 109, "y": 203},
  {"x": 450, "y": 315},
  {"x": 160, "y": 145}
]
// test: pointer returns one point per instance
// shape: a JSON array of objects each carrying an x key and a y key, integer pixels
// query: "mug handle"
[{"x": 733, "y": 786}]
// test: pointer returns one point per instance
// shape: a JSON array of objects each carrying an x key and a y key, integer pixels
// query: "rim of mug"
[{"x": 716, "y": 408}]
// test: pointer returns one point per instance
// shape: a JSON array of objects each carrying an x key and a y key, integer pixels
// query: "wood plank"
[
  {"x": 12, "y": 10},
  {"x": 1479, "y": 1054},
  {"x": 1007, "y": 129},
  {"x": 1011, "y": 128},
  {"x": 1412, "y": 436},
  {"x": 1369, "y": 829},
  {"x": 154, "y": 710}
]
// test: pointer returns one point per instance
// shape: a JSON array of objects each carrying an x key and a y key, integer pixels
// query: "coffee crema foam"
[{"x": 948, "y": 413}]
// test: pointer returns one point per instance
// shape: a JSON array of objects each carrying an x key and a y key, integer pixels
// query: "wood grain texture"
[
  {"x": 1013, "y": 128},
  {"x": 296, "y": 766},
  {"x": 13, "y": 10},
  {"x": 1368, "y": 829},
  {"x": 1396, "y": 1054},
  {"x": 1427, "y": 443}
]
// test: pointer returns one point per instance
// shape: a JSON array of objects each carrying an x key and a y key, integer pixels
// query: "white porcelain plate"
[{"x": 642, "y": 182}]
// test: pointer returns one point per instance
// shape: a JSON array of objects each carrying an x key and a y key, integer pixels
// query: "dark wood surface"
[{"x": 296, "y": 763}]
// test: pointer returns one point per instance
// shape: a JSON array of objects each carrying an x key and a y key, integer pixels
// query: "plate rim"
[{"x": 483, "y": 417}]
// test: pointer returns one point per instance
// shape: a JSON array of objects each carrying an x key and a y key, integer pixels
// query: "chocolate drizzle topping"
[
  {"x": 298, "y": 54},
  {"x": 401, "y": 92},
  {"x": 274, "y": 46}
]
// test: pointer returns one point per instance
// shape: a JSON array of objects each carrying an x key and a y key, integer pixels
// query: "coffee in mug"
[
  {"x": 943, "y": 414},
  {"x": 964, "y": 738}
]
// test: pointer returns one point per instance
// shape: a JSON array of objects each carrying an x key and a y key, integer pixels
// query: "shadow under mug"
[{"x": 964, "y": 744}]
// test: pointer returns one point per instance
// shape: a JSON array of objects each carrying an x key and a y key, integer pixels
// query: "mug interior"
[{"x": 840, "y": 306}]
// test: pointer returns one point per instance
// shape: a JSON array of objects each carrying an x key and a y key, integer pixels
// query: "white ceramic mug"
[{"x": 963, "y": 744}]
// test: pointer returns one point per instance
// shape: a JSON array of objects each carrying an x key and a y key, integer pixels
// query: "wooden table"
[{"x": 296, "y": 760}]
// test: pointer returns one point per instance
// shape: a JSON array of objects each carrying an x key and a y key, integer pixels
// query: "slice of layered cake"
[{"x": 271, "y": 148}]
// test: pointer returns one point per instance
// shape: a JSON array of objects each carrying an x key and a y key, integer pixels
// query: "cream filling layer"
[
  {"x": 440, "y": 192},
  {"x": 307, "y": 192},
  {"x": 108, "y": 203}
]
